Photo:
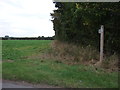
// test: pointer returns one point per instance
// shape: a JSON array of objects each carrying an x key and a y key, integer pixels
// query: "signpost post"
[{"x": 101, "y": 31}]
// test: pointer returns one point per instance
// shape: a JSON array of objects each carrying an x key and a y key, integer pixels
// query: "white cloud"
[{"x": 26, "y": 18}]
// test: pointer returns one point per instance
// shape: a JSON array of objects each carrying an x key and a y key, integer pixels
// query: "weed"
[{"x": 75, "y": 54}]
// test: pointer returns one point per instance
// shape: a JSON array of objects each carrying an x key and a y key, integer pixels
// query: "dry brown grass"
[
  {"x": 111, "y": 62},
  {"x": 73, "y": 54}
]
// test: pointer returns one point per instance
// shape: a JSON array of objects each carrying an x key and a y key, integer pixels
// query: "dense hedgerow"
[{"x": 79, "y": 23}]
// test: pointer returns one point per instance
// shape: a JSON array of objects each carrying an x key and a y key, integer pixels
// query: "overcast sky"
[{"x": 26, "y": 18}]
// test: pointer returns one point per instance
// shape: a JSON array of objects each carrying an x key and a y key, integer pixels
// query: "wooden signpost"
[{"x": 101, "y": 31}]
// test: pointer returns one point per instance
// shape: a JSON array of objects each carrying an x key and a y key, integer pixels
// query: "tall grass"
[{"x": 76, "y": 54}]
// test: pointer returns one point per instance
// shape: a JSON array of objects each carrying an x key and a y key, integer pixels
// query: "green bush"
[{"x": 79, "y": 23}]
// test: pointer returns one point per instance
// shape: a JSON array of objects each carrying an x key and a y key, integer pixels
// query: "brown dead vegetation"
[{"x": 72, "y": 54}]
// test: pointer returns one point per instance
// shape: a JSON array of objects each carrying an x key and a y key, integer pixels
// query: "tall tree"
[{"x": 79, "y": 23}]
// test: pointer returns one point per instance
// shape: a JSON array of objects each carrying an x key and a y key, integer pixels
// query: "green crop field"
[{"x": 22, "y": 62}]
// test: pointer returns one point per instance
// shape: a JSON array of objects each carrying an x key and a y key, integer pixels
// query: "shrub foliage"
[{"x": 79, "y": 23}]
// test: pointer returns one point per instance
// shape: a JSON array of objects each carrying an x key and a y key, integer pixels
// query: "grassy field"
[{"x": 22, "y": 62}]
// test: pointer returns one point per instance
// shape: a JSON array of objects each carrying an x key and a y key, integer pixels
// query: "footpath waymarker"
[{"x": 101, "y": 31}]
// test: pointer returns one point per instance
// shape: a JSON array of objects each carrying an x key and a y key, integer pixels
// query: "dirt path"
[{"x": 16, "y": 84}]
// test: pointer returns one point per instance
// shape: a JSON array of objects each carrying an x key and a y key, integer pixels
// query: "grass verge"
[{"x": 22, "y": 60}]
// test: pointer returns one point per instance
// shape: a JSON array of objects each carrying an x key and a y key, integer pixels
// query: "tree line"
[
  {"x": 78, "y": 22},
  {"x": 27, "y": 38}
]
